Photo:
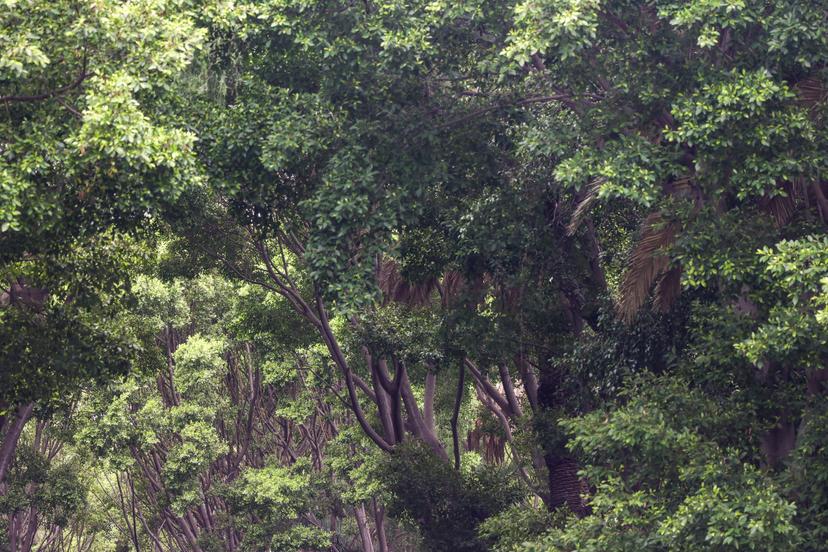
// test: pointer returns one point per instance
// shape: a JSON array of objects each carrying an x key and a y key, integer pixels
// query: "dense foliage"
[{"x": 529, "y": 275}]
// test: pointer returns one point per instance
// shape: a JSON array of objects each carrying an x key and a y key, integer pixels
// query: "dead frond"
[
  {"x": 583, "y": 207},
  {"x": 681, "y": 187},
  {"x": 452, "y": 285},
  {"x": 667, "y": 289},
  {"x": 396, "y": 288},
  {"x": 811, "y": 92},
  {"x": 647, "y": 263},
  {"x": 781, "y": 208}
]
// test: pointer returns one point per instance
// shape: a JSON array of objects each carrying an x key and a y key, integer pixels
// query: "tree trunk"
[
  {"x": 428, "y": 403},
  {"x": 509, "y": 391},
  {"x": 13, "y": 430},
  {"x": 364, "y": 530},
  {"x": 383, "y": 405},
  {"x": 424, "y": 433},
  {"x": 564, "y": 484},
  {"x": 455, "y": 415},
  {"x": 379, "y": 520}
]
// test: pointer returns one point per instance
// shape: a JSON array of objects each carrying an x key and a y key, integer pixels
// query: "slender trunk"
[
  {"x": 28, "y": 539},
  {"x": 509, "y": 391},
  {"x": 191, "y": 538},
  {"x": 458, "y": 400},
  {"x": 12, "y": 532},
  {"x": 822, "y": 202},
  {"x": 487, "y": 386},
  {"x": 379, "y": 520},
  {"x": 10, "y": 439},
  {"x": 393, "y": 389},
  {"x": 428, "y": 404},
  {"x": 133, "y": 509},
  {"x": 157, "y": 546},
  {"x": 364, "y": 530},
  {"x": 382, "y": 400},
  {"x": 530, "y": 382},
  {"x": 133, "y": 532},
  {"x": 428, "y": 436},
  {"x": 339, "y": 358},
  {"x": 176, "y": 536}
]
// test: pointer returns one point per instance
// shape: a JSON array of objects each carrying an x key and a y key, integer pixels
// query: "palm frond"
[
  {"x": 583, "y": 207},
  {"x": 647, "y": 263},
  {"x": 811, "y": 92},
  {"x": 667, "y": 289},
  {"x": 395, "y": 288}
]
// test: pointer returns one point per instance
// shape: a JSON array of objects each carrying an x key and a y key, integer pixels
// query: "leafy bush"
[{"x": 445, "y": 504}]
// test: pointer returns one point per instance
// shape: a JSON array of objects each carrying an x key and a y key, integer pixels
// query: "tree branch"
[
  {"x": 56, "y": 92},
  {"x": 339, "y": 358},
  {"x": 487, "y": 386}
]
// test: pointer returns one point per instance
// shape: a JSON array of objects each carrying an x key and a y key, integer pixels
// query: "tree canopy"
[{"x": 541, "y": 275}]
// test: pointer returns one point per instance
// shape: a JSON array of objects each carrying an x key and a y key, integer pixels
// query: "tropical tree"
[
  {"x": 85, "y": 156},
  {"x": 524, "y": 275}
]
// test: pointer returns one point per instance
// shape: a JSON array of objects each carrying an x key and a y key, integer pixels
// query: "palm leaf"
[
  {"x": 584, "y": 205},
  {"x": 395, "y": 288},
  {"x": 647, "y": 263},
  {"x": 667, "y": 289}
]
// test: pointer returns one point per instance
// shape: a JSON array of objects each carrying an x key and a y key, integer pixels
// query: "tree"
[
  {"x": 576, "y": 244},
  {"x": 316, "y": 197},
  {"x": 85, "y": 157}
]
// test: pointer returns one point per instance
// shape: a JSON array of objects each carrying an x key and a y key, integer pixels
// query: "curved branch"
[
  {"x": 56, "y": 92},
  {"x": 339, "y": 358},
  {"x": 487, "y": 386}
]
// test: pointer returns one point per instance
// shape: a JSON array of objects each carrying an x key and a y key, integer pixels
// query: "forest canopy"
[{"x": 413, "y": 275}]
